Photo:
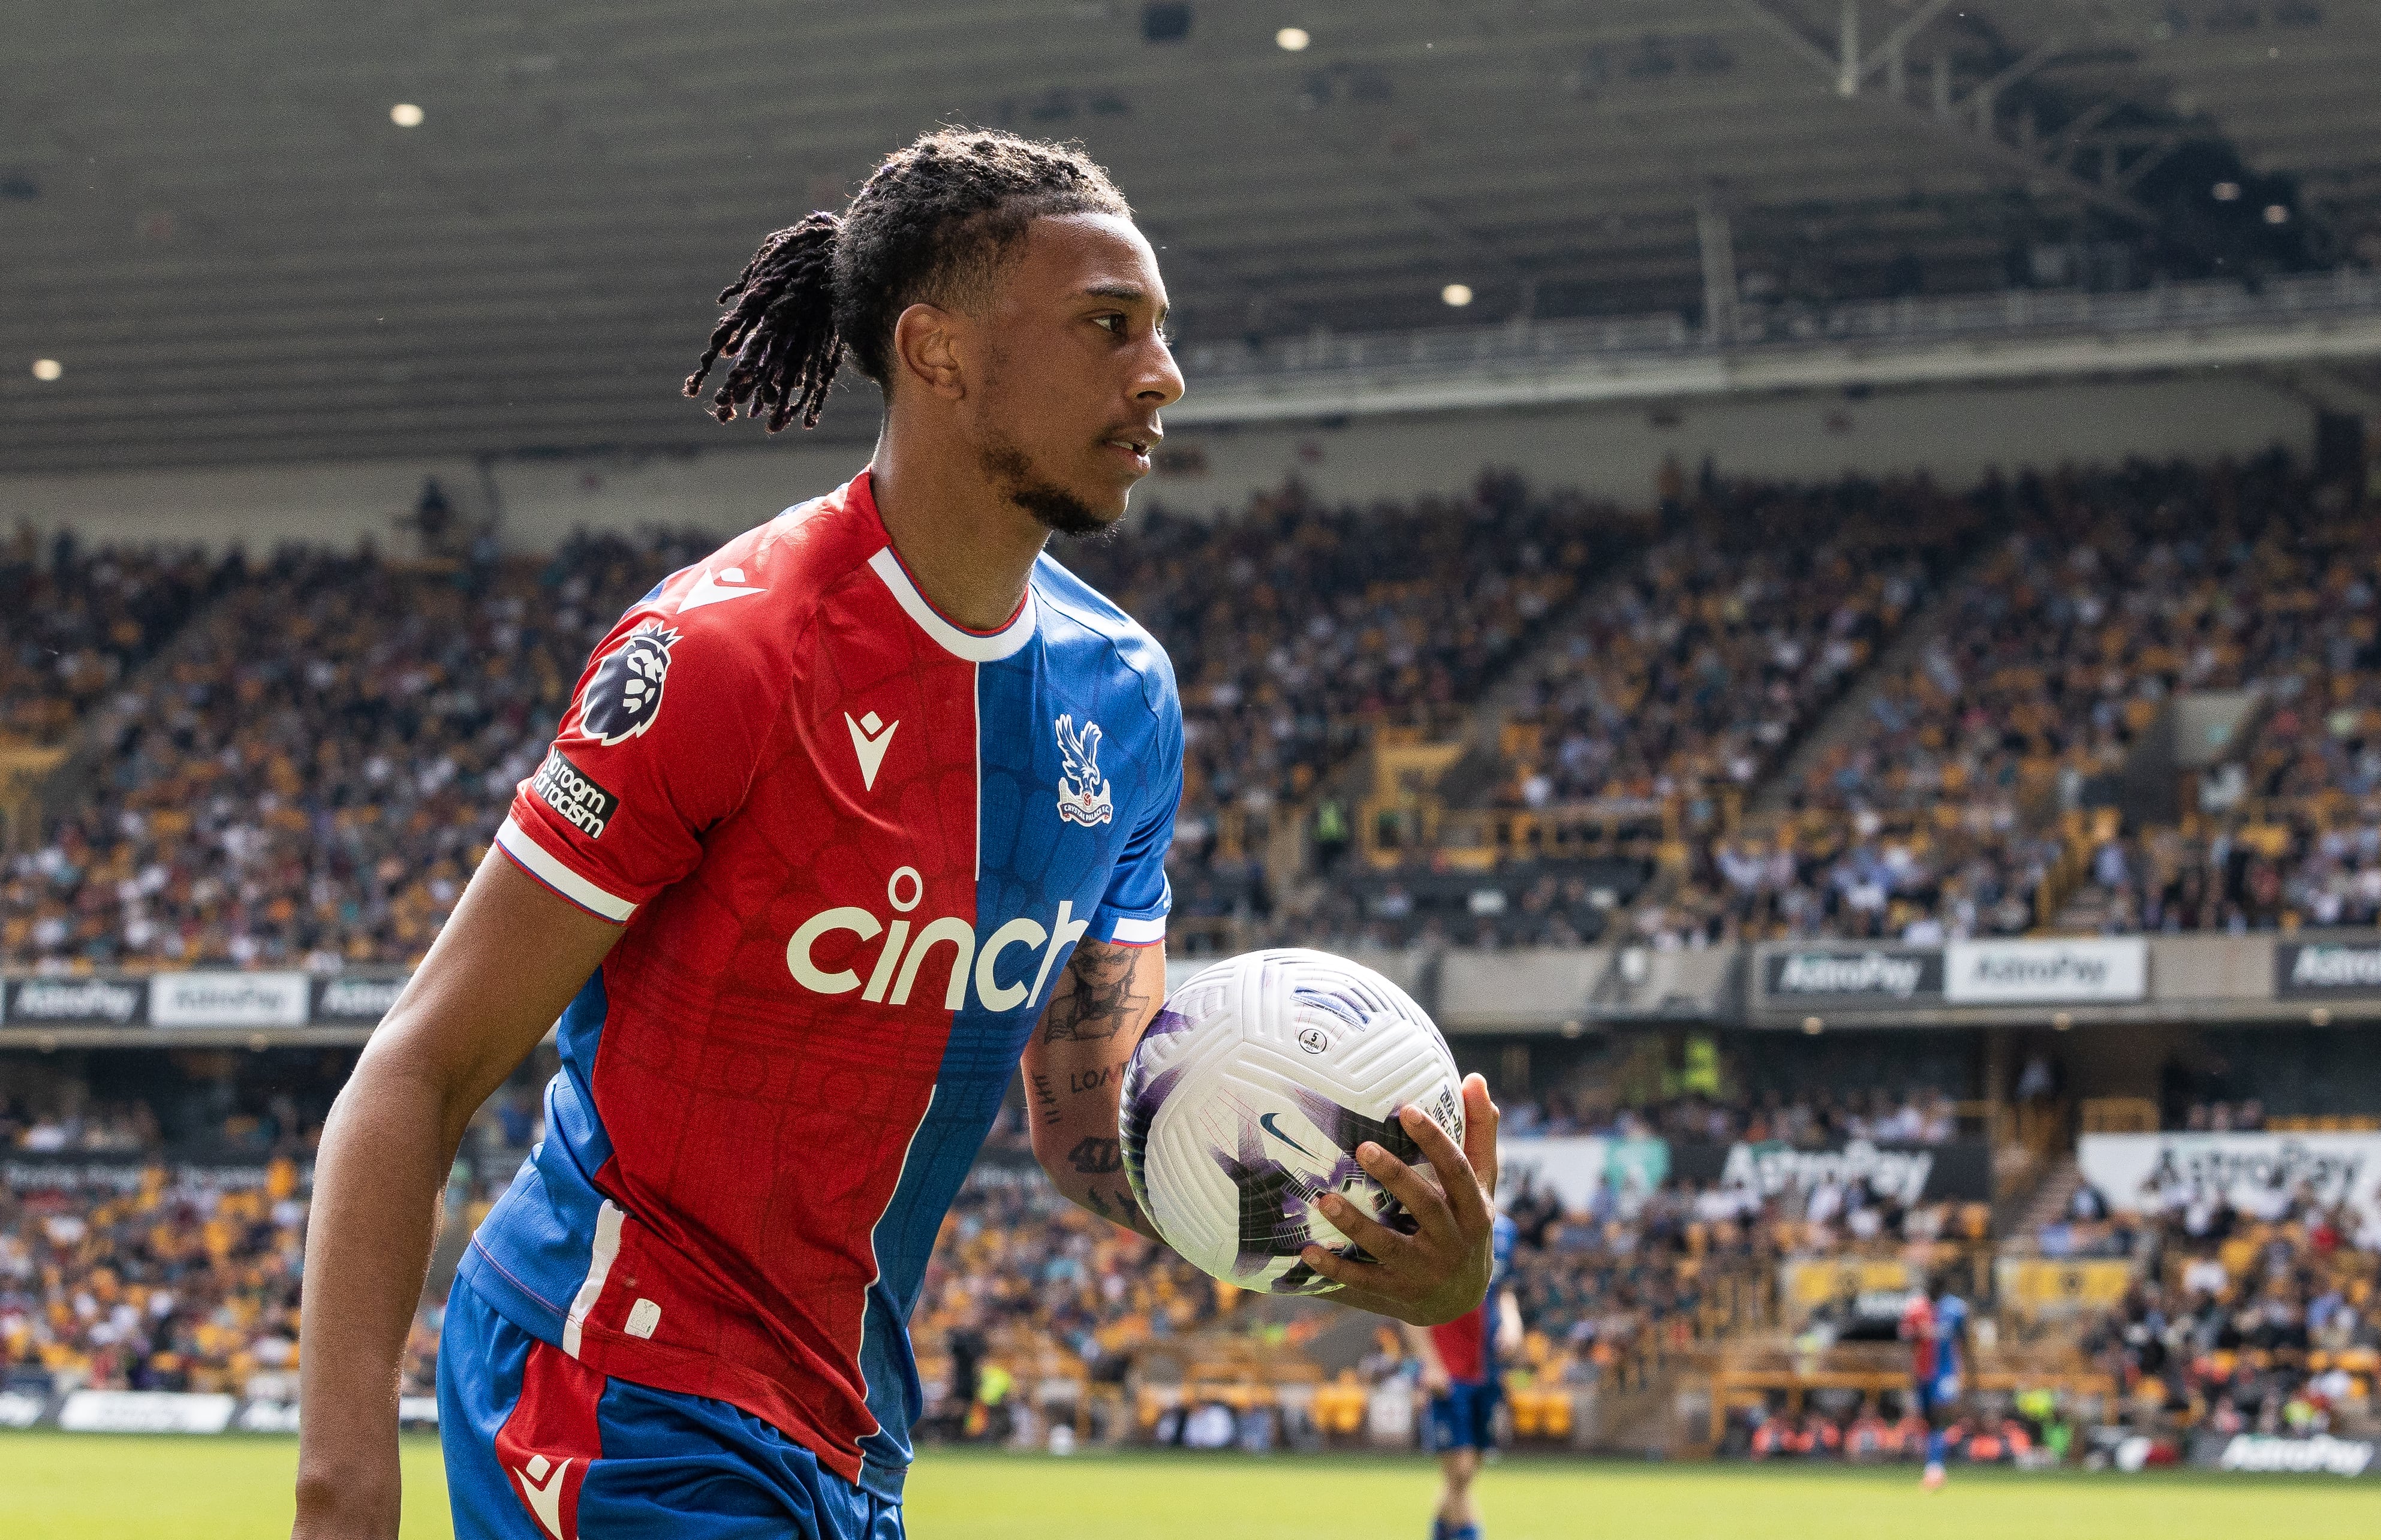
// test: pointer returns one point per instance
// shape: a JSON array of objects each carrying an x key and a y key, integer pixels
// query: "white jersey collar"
[{"x": 976, "y": 647}]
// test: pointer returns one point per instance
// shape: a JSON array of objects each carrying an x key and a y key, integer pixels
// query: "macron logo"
[
  {"x": 546, "y": 1501},
  {"x": 870, "y": 738},
  {"x": 709, "y": 589}
]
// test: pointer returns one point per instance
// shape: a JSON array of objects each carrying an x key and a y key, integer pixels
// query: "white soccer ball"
[{"x": 1249, "y": 1094}]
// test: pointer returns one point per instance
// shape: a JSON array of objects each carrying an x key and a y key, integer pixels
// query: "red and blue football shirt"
[
  {"x": 850, "y": 844},
  {"x": 1932, "y": 1328}
]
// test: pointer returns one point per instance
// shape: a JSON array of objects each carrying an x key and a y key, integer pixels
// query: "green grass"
[{"x": 62, "y": 1487}]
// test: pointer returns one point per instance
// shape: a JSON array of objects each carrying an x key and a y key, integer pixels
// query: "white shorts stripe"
[
  {"x": 547, "y": 868},
  {"x": 599, "y": 1268}
]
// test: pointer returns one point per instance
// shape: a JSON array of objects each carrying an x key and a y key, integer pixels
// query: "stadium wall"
[{"x": 1955, "y": 433}]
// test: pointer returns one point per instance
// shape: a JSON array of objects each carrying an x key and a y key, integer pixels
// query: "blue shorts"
[
  {"x": 1464, "y": 1417},
  {"x": 539, "y": 1447},
  {"x": 1939, "y": 1394}
]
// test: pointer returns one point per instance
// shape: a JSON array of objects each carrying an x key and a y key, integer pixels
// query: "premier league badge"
[{"x": 626, "y": 693}]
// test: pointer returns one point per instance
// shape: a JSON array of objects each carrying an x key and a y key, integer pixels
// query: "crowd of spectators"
[
  {"x": 78, "y": 621},
  {"x": 95, "y": 1128},
  {"x": 308, "y": 779},
  {"x": 2287, "y": 831},
  {"x": 151, "y": 1280},
  {"x": 1816, "y": 1120},
  {"x": 2047, "y": 660},
  {"x": 1693, "y": 675},
  {"x": 2316, "y": 862},
  {"x": 1857, "y": 878},
  {"x": 1521, "y": 904},
  {"x": 1297, "y": 628},
  {"x": 305, "y": 778},
  {"x": 2260, "y": 1315},
  {"x": 2112, "y": 591},
  {"x": 1023, "y": 1280}
]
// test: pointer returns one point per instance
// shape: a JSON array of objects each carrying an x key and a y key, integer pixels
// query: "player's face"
[{"x": 1078, "y": 367}]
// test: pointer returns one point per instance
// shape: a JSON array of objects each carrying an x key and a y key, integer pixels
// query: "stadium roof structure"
[{"x": 237, "y": 248}]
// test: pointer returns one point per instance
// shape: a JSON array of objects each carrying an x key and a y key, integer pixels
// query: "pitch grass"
[{"x": 65, "y": 1487}]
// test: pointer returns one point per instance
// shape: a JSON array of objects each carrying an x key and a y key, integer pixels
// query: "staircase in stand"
[
  {"x": 1852, "y": 715},
  {"x": 2048, "y": 1204}
]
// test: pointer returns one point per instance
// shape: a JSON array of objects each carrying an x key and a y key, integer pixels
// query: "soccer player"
[
  {"x": 1458, "y": 1372},
  {"x": 1936, "y": 1327},
  {"x": 840, "y": 823}
]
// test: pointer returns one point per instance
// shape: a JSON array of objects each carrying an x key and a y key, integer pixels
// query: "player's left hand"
[{"x": 1442, "y": 1269}]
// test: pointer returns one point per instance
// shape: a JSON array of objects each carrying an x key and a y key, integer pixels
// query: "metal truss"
[{"x": 1973, "y": 120}]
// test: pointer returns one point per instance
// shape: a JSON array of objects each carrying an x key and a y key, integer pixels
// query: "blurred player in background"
[
  {"x": 842, "y": 823},
  {"x": 1936, "y": 1327},
  {"x": 1460, "y": 1373}
]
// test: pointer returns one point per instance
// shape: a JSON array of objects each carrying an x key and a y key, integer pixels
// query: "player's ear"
[{"x": 926, "y": 346}]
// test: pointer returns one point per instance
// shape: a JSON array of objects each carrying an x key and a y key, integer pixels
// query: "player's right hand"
[
  {"x": 1434, "y": 1381},
  {"x": 1440, "y": 1269}
]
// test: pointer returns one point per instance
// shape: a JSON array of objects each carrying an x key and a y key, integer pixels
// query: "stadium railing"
[{"x": 2011, "y": 312}]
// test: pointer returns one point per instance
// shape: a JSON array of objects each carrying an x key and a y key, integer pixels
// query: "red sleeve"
[{"x": 662, "y": 741}]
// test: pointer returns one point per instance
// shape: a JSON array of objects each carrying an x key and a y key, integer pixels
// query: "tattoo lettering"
[
  {"x": 1045, "y": 1099},
  {"x": 1096, "y": 1157},
  {"x": 1079, "y": 1081},
  {"x": 1097, "y": 997}
]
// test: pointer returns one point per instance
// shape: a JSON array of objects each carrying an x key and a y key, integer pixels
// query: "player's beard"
[{"x": 1053, "y": 506}]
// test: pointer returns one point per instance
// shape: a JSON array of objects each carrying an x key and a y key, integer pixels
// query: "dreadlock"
[{"x": 934, "y": 223}]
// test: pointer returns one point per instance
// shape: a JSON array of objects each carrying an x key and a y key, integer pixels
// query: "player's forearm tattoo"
[
  {"x": 1115, "y": 1206},
  {"x": 1095, "y": 1157},
  {"x": 1097, "y": 997},
  {"x": 1045, "y": 1099}
]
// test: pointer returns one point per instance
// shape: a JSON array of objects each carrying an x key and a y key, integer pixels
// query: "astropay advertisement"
[
  {"x": 2243, "y": 1167},
  {"x": 2110, "y": 970},
  {"x": 228, "y": 999}
]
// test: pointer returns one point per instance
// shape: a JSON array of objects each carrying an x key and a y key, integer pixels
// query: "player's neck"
[{"x": 969, "y": 547}]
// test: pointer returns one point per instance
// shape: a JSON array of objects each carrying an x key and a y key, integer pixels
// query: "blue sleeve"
[{"x": 1133, "y": 911}]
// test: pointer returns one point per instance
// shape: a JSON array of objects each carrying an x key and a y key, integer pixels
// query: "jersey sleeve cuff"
[
  {"x": 1129, "y": 930},
  {"x": 550, "y": 870}
]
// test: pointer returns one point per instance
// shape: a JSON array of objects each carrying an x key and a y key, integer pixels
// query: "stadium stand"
[
  {"x": 1863, "y": 710},
  {"x": 1693, "y": 674},
  {"x": 1811, "y": 1121},
  {"x": 2261, "y": 1321},
  {"x": 1299, "y": 630},
  {"x": 151, "y": 1282},
  {"x": 225, "y": 824},
  {"x": 307, "y": 776},
  {"x": 1963, "y": 804},
  {"x": 1977, "y": 797},
  {"x": 1650, "y": 710},
  {"x": 78, "y": 621}
]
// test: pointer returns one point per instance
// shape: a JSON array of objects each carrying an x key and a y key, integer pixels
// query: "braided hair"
[{"x": 933, "y": 223}]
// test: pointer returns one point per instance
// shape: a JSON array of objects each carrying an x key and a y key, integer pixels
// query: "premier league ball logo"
[{"x": 626, "y": 693}]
